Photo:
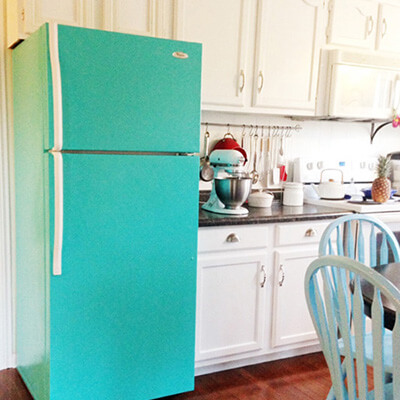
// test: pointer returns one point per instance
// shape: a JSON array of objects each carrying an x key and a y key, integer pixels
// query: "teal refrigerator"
[{"x": 105, "y": 130}]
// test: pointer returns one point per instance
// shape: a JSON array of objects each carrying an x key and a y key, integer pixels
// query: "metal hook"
[
  {"x": 251, "y": 131},
  {"x": 243, "y": 136}
]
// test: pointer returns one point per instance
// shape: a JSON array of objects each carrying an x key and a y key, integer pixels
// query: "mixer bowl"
[{"x": 233, "y": 191}]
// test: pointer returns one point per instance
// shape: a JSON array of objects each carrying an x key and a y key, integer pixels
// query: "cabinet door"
[
  {"x": 389, "y": 28},
  {"x": 230, "y": 305},
  {"x": 287, "y": 55},
  {"x": 139, "y": 17},
  {"x": 222, "y": 27},
  {"x": 353, "y": 23},
  {"x": 291, "y": 322},
  {"x": 67, "y": 12}
]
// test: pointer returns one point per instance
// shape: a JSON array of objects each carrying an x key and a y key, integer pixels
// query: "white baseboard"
[{"x": 223, "y": 366}]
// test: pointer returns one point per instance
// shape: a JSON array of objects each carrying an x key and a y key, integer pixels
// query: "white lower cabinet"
[
  {"x": 291, "y": 321},
  {"x": 231, "y": 305},
  {"x": 231, "y": 293},
  {"x": 296, "y": 246},
  {"x": 251, "y": 305}
]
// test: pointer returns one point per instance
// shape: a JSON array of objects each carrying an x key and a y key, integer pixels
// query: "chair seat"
[{"x": 387, "y": 346}]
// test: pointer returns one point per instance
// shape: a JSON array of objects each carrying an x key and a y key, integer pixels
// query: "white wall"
[{"x": 320, "y": 139}]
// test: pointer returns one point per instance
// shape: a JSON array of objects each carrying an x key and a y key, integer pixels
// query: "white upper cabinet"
[
  {"x": 365, "y": 24},
  {"x": 353, "y": 23},
  {"x": 282, "y": 38},
  {"x": 222, "y": 27},
  {"x": 288, "y": 42},
  {"x": 38, "y": 12},
  {"x": 23, "y": 18},
  {"x": 138, "y": 17},
  {"x": 388, "y": 38}
]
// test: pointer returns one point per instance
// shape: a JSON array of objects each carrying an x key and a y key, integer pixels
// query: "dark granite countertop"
[{"x": 276, "y": 213}]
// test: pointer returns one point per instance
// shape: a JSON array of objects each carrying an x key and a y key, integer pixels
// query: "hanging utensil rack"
[
  {"x": 270, "y": 130},
  {"x": 266, "y": 164}
]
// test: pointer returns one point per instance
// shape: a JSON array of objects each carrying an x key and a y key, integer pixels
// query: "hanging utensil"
[
  {"x": 275, "y": 169},
  {"x": 254, "y": 174},
  {"x": 206, "y": 171},
  {"x": 268, "y": 155},
  {"x": 261, "y": 160}
]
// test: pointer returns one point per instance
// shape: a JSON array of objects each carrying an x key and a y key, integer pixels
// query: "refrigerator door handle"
[
  {"x": 57, "y": 88},
  {"x": 58, "y": 212}
]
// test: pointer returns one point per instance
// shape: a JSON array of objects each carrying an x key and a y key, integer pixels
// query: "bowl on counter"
[
  {"x": 261, "y": 199},
  {"x": 368, "y": 195},
  {"x": 233, "y": 191}
]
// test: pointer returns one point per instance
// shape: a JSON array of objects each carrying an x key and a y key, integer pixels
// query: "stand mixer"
[{"x": 231, "y": 186}]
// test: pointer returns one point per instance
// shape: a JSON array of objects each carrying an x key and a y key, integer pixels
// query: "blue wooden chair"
[
  {"x": 371, "y": 242},
  {"x": 332, "y": 307},
  {"x": 360, "y": 237}
]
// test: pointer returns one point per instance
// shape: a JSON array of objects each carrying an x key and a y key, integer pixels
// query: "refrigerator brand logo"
[{"x": 180, "y": 54}]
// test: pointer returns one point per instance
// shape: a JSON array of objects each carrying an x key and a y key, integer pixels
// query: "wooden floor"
[{"x": 298, "y": 378}]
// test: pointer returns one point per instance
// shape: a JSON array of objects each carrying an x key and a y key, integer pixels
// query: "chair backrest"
[
  {"x": 332, "y": 306},
  {"x": 361, "y": 237}
]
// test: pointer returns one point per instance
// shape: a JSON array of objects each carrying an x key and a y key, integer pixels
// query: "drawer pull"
[
  {"x": 233, "y": 238},
  {"x": 262, "y": 284},
  {"x": 310, "y": 233},
  {"x": 282, "y": 275}
]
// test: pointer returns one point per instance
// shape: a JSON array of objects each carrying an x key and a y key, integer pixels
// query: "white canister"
[{"x": 293, "y": 194}]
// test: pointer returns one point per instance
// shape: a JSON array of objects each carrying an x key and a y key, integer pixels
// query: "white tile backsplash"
[{"x": 317, "y": 139}]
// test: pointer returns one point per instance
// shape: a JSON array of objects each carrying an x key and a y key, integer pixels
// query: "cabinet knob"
[
  {"x": 261, "y": 80},
  {"x": 384, "y": 27},
  {"x": 233, "y": 238},
  {"x": 370, "y": 25},
  {"x": 282, "y": 275},
  {"x": 262, "y": 283},
  {"x": 310, "y": 233},
  {"x": 242, "y": 81}
]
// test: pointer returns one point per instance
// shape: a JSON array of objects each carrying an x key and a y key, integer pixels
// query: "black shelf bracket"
[{"x": 375, "y": 131}]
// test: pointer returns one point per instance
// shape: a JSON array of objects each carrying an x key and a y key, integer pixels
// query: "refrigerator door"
[
  {"x": 124, "y": 92},
  {"x": 123, "y": 311}
]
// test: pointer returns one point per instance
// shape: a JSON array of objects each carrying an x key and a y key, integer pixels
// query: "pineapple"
[{"x": 381, "y": 186}]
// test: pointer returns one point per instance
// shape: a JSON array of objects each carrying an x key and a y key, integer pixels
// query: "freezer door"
[
  {"x": 126, "y": 92},
  {"x": 122, "y": 313}
]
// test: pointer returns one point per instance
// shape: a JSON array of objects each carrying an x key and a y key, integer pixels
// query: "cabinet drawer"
[
  {"x": 233, "y": 237},
  {"x": 299, "y": 232}
]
